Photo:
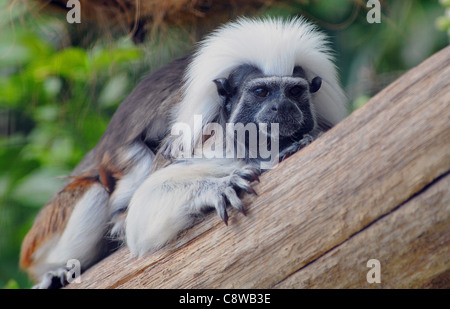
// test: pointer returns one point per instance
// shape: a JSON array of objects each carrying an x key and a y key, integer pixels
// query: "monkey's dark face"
[
  {"x": 282, "y": 100},
  {"x": 251, "y": 97}
]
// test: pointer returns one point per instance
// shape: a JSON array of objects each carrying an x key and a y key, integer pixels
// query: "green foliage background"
[{"x": 56, "y": 97}]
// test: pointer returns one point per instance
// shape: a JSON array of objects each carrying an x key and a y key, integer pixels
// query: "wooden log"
[
  {"x": 411, "y": 245},
  {"x": 376, "y": 186}
]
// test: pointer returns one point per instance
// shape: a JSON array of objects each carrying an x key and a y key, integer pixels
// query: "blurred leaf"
[
  {"x": 11, "y": 284},
  {"x": 36, "y": 189},
  {"x": 114, "y": 91},
  {"x": 445, "y": 3},
  {"x": 92, "y": 129},
  {"x": 37, "y": 47},
  {"x": 52, "y": 86},
  {"x": 10, "y": 91},
  {"x": 102, "y": 59},
  {"x": 443, "y": 23},
  {"x": 47, "y": 113},
  {"x": 13, "y": 55},
  {"x": 70, "y": 63},
  {"x": 360, "y": 101}
]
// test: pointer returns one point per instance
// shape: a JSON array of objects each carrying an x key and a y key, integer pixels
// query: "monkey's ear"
[
  {"x": 315, "y": 84},
  {"x": 223, "y": 87}
]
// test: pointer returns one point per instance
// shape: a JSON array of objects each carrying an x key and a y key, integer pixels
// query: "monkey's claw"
[
  {"x": 225, "y": 191},
  {"x": 296, "y": 146},
  {"x": 249, "y": 173}
]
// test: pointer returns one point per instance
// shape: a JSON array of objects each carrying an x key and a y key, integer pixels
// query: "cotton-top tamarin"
[{"x": 190, "y": 137}]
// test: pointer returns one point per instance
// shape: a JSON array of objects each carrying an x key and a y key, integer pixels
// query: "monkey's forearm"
[{"x": 168, "y": 200}]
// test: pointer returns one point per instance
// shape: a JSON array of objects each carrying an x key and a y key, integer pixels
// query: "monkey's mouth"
[
  {"x": 288, "y": 130},
  {"x": 288, "y": 125}
]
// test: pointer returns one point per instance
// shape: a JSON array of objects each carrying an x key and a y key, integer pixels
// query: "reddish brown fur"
[{"x": 53, "y": 217}]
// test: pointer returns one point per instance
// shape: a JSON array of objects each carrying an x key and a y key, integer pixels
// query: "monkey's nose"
[{"x": 282, "y": 107}]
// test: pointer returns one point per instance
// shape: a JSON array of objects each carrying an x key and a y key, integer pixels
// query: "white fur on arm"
[{"x": 169, "y": 199}]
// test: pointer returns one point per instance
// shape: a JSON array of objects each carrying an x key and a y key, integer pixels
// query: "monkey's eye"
[
  {"x": 296, "y": 91},
  {"x": 261, "y": 92}
]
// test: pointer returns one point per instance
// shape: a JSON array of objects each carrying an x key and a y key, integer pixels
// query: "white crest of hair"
[{"x": 273, "y": 45}]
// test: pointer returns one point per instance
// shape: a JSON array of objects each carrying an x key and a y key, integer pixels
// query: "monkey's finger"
[
  {"x": 220, "y": 206},
  {"x": 249, "y": 189},
  {"x": 241, "y": 183},
  {"x": 250, "y": 173},
  {"x": 233, "y": 199},
  {"x": 250, "y": 177}
]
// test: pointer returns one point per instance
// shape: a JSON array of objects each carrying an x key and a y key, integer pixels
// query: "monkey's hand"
[
  {"x": 171, "y": 198},
  {"x": 218, "y": 192},
  {"x": 53, "y": 279},
  {"x": 296, "y": 146}
]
